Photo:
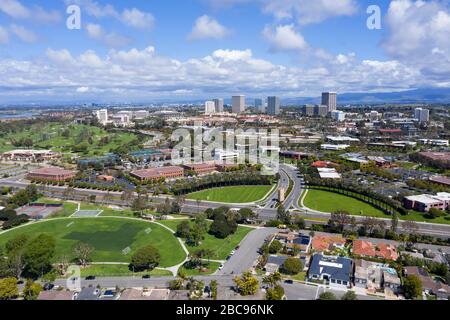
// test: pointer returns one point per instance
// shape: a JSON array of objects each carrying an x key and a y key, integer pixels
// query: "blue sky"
[{"x": 143, "y": 50}]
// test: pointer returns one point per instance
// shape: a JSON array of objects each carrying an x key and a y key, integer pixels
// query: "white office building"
[
  {"x": 334, "y": 147},
  {"x": 102, "y": 116},
  {"x": 210, "y": 107},
  {"x": 238, "y": 104},
  {"x": 338, "y": 116}
]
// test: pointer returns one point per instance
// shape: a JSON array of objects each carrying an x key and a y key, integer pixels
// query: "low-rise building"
[
  {"x": 30, "y": 155},
  {"x": 170, "y": 172},
  {"x": 51, "y": 174},
  {"x": 201, "y": 168},
  {"x": 379, "y": 250},
  {"x": 429, "y": 285},
  {"x": 328, "y": 173},
  {"x": 333, "y": 271},
  {"x": 334, "y": 147},
  {"x": 322, "y": 243},
  {"x": 425, "y": 202}
]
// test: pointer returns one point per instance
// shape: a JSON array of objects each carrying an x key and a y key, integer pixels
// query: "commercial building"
[
  {"x": 333, "y": 271},
  {"x": 141, "y": 114},
  {"x": 340, "y": 139},
  {"x": 227, "y": 156},
  {"x": 425, "y": 202},
  {"x": 51, "y": 174},
  {"x": 435, "y": 143},
  {"x": 201, "y": 168},
  {"x": 321, "y": 110},
  {"x": 308, "y": 110},
  {"x": 435, "y": 158},
  {"x": 210, "y": 107},
  {"x": 170, "y": 172},
  {"x": 273, "y": 105},
  {"x": 102, "y": 116},
  {"x": 218, "y": 105},
  {"x": 338, "y": 116},
  {"x": 260, "y": 105},
  {"x": 329, "y": 99},
  {"x": 30, "y": 155},
  {"x": 422, "y": 115},
  {"x": 238, "y": 104},
  {"x": 334, "y": 147},
  {"x": 328, "y": 173}
]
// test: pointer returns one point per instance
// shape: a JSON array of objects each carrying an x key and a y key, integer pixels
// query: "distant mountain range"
[{"x": 434, "y": 95}]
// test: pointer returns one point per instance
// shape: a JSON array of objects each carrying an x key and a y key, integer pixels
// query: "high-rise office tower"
[
  {"x": 308, "y": 110},
  {"x": 422, "y": 115},
  {"x": 321, "y": 110},
  {"x": 273, "y": 105},
  {"x": 218, "y": 104},
  {"x": 102, "y": 116},
  {"x": 259, "y": 105},
  {"x": 238, "y": 104},
  {"x": 210, "y": 107},
  {"x": 329, "y": 99}
]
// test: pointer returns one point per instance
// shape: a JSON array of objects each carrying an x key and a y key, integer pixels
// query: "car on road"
[
  {"x": 232, "y": 252},
  {"x": 228, "y": 258},
  {"x": 48, "y": 286},
  {"x": 289, "y": 281},
  {"x": 237, "y": 248},
  {"x": 90, "y": 278},
  {"x": 146, "y": 276},
  {"x": 221, "y": 266}
]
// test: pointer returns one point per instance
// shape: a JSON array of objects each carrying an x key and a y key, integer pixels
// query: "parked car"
[
  {"x": 289, "y": 281},
  {"x": 232, "y": 252},
  {"x": 48, "y": 286},
  {"x": 146, "y": 276},
  {"x": 221, "y": 266},
  {"x": 90, "y": 278}
]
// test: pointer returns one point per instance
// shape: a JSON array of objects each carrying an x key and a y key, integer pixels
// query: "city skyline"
[{"x": 138, "y": 52}]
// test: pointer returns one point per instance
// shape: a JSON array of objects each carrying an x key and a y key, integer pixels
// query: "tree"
[
  {"x": 349, "y": 295},
  {"x": 246, "y": 214},
  {"x": 272, "y": 279},
  {"x": 8, "y": 289},
  {"x": 300, "y": 222},
  {"x": 410, "y": 227},
  {"x": 394, "y": 222},
  {"x": 31, "y": 290},
  {"x": 275, "y": 247},
  {"x": 412, "y": 287},
  {"x": 283, "y": 215},
  {"x": 247, "y": 284},
  {"x": 146, "y": 258},
  {"x": 327, "y": 296},
  {"x": 339, "y": 220},
  {"x": 275, "y": 293},
  {"x": 222, "y": 227},
  {"x": 183, "y": 229},
  {"x": 38, "y": 255},
  {"x": 83, "y": 253},
  {"x": 196, "y": 236},
  {"x": 213, "y": 285},
  {"x": 292, "y": 266}
]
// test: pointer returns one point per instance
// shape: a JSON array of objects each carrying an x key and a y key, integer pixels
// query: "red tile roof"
[
  {"x": 324, "y": 243},
  {"x": 380, "y": 250}
]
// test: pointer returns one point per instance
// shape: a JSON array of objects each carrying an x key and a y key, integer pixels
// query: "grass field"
[
  {"x": 220, "y": 247},
  {"x": 54, "y": 136},
  {"x": 235, "y": 194},
  {"x": 213, "y": 266},
  {"x": 109, "y": 236},
  {"x": 118, "y": 270},
  {"x": 329, "y": 202},
  {"x": 68, "y": 207}
]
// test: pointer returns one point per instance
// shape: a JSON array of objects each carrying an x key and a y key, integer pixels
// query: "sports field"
[
  {"x": 234, "y": 194},
  {"x": 114, "y": 239},
  {"x": 329, "y": 202}
]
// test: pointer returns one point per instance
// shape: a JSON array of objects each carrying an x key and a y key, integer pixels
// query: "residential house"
[
  {"x": 321, "y": 243},
  {"x": 429, "y": 285},
  {"x": 274, "y": 263},
  {"x": 379, "y": 250},
  {"x": 331, "y": 270}
]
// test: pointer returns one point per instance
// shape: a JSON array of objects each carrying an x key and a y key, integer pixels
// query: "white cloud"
[
  {"x": 110, "y": 39},
  {"x": 284, "y": 37},
  {"x": 134, "y": 18},
  {"x": 138, "y": 19},
  {"x": 83, "y": 89},
  {"x": 4, "y": 36},
  {"x": 418, "y": 35},
  {"x": 17, "y": 10},
  {"x": 145, "y": 74},
  {"x": 24, "y": 34},
  {"x": 207, "y": 28}
]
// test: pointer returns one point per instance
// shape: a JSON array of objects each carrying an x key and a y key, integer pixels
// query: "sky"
[{"x": 144, "y": 51}]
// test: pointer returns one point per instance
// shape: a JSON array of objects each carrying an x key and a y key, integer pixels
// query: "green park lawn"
[
  {"x": 234, "y": 194},
  {"x": 330, "y": 202},
  {"x": 212, "y": 267},
  {"x": 119, "y": 270},
  {"x": 114, "y": 239},
  {"x": 221, "y": 248}
]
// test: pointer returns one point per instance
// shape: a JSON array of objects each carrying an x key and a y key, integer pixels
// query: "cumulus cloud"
[
  {"x": 138, "y": 19},
  {"x": 24, "y": 34},
  {"x": 207, "y": 28},
  {"x": 418, "y": 35},
  {"x": 284, "y": 37},
  {"x": 144, "y": 74},
  {"x": 83, "y": 89},
  {"x": 110, "y": 39},
  {"x": 4, "y": 36}
]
